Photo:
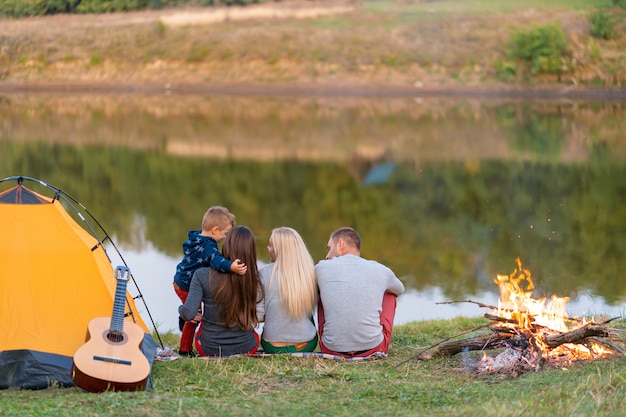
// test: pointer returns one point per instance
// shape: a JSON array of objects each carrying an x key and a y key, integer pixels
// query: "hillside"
[{"x": 447, "y": 45}]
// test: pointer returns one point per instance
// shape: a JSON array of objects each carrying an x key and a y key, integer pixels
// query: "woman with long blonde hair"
[{"x": 290, "y": 295}]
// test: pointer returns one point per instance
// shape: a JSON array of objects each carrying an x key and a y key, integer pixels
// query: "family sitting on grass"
[{"x": 355, "y": 298}]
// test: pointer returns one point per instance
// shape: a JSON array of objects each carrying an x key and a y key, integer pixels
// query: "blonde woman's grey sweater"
[{"x": 279, "y": 326}]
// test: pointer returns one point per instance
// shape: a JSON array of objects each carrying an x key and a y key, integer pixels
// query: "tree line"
[{"x": 23, "y": 8}]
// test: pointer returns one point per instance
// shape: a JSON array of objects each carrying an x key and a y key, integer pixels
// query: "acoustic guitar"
[{"x": 111, "y": 359}]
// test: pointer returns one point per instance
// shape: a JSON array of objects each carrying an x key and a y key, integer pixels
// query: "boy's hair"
[{"x": 217, "y": 216}]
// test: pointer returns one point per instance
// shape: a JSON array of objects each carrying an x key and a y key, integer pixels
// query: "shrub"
[
  {"x": 95, "y": 59},
  {"x": 21, "y": 8},
  {"x": 603, "y": 24},
  {"x": 544, "y": 48},
  {"x": 94, "y": 6},
  {"x": 107, "y": 6},
  {"x": 506, "y": 70}
]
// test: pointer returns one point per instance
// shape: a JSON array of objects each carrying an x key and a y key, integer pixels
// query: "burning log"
[
  {"x": 525, "y": 350},
  {"x": 505, "y": 337},
  {"x": 528, "y": 334},
  {"x": 577, "y": 336}
]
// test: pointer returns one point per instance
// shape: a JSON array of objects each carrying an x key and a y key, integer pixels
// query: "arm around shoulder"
[{"x": 238, "y": 267}]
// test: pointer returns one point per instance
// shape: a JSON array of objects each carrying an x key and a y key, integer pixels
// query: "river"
[{"x": 448, "y": 192}]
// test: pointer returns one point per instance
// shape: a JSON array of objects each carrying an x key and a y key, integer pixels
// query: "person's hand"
[
  {"x": 238, "y": 267},
  {"x": 197, "y": 318}
]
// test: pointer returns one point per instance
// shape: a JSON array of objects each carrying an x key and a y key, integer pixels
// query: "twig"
[
  {"x": 607, "y": 321},
  {"x": 498, "y": 318},
  {"x": 479, "y": 304},
  {"x": 417, "y": 355}
]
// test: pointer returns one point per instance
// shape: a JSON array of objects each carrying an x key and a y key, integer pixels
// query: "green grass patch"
[
  {"x": 398, "y": 385},
  {"x": 95, "y": 59},
  {"x": 198, "y": 53},
  {"x": 432, "y": 9}
]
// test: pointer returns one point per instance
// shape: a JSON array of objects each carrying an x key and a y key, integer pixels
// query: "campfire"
[{"x": 529, "y": 333}]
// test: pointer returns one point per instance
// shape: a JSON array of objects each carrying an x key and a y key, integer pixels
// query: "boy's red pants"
[{"x": 189, "y": 328}]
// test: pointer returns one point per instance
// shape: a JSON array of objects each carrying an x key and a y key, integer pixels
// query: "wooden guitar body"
[
  {"x": 111, "y": 359},
  {"x": 102, "y": 364}
]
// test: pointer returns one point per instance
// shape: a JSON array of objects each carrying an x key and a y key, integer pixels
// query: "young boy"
[{"x": 200, "y": 250}]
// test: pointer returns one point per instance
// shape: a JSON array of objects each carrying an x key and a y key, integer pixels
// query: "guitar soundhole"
[{"x": 115, "y": 337}]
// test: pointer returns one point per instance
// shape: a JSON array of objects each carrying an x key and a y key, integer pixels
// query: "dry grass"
[{"x": 439, "y": 44}]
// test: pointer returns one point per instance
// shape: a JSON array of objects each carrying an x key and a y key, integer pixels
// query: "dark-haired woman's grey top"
[{"x": 215, "y": 338}]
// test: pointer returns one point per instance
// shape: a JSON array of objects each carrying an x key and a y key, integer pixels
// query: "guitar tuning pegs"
[{"x": 122, "y": 272}]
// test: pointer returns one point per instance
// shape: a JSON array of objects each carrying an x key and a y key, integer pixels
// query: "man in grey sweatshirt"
[{"x": 357, "y": 301}]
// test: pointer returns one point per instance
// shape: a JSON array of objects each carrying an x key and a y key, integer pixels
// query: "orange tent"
[{"x": 55, "y": 277}]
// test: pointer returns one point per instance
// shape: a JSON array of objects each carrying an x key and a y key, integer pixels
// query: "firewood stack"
[
  {"x": 526, "y": 337},
  {"x": 524, "y": 350}
]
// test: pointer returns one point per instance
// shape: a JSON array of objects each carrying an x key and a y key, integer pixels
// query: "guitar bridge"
[{"x": 112, "y": 360}]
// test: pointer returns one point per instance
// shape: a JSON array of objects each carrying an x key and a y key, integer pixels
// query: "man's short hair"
[
  {"x": 217, "y": 216},
  {"x": 348, "y": 235}
]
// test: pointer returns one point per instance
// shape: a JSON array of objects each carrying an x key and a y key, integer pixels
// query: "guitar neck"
[{"x": 117, "y": 316}]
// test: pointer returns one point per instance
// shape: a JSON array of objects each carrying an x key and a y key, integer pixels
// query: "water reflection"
[{"x": 447, "y": 193}]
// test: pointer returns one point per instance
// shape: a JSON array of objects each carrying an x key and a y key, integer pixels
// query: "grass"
[
  {"x": 398, "y": 385},
  {"x": 441, "y": 43},
  {"x": 434, "y": 9}
]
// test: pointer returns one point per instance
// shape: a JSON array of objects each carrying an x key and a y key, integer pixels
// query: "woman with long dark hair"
[{"x": 230, "y": 301}]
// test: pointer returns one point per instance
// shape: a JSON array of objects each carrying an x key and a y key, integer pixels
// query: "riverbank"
[{"x": 326, "y": 47}]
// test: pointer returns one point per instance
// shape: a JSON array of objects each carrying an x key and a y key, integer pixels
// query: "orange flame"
[
  {"x": 516, "y": 302},
  {"x": 536, "y": 316}
]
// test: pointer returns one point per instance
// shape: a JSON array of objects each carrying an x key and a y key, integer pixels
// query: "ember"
[{"x": 530, "y": 333}]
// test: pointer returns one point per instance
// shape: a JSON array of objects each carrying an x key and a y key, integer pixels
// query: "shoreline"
[{"x": 322, "y": 90}]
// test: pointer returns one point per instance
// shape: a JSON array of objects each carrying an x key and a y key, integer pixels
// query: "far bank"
[{"x": 449, "y": 47}]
